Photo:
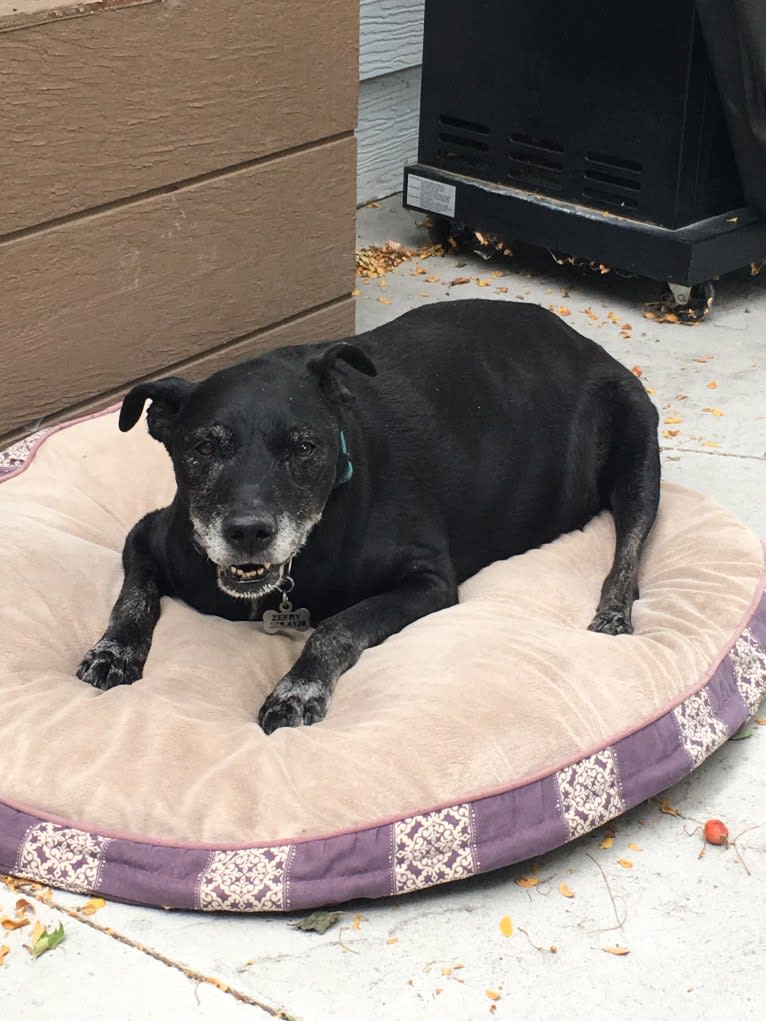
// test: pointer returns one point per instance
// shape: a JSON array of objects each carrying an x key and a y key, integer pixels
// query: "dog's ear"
[
  {"x": 166, "y": 395},
  {"x": 326, "y": 368}
]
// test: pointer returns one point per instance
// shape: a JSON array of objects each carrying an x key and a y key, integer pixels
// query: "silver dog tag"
[{"x": 286, "y": 618}]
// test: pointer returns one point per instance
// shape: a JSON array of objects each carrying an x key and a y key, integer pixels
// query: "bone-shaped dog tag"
[{"x": 286, "y": 619}]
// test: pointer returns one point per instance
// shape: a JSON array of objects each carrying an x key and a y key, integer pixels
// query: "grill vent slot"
[
  {"x": 612, "y": 180},
  {"x": 535, "y": 162},
  {"x": 463, "y": 145}
]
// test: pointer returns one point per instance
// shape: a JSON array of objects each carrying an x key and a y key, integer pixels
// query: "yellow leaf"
[
  {"x": 392, "y": 939},
  {"x": 709, "y": 443},
  {"x": 667, "y": 809},
  {"x": 635, "y": 847},
  {"x": 565, "y": 891},
  {"x": 668, "y": 434},
  {"x": 493, "y": 994},
  {"x": 483, "y": 283},
  {"x": 712, "y": 385},
  {"x": 384, "y": 301},
  {"x": 761, "y": 722},
  {"x": 564, "y": 311},
  {"x": 625, "y": 862},
  {"x": 501, "y": 290},
  {"x": 218, "y": 983},
  {"x": 93, "y": 905},
  {"x": 713, "y": 411},
  {"x": 506, "y": 926},
  {"x": 460, "y": 280},
  {"x": 617, "y": 951},
  {"x": 37, "y": 932},
  {"x": 4, "y": 949},
  {"x": 432, "y": 279},
  {"x": 22, "y": 906},
  {"x": 673, "y": 420},
  {"x": 650, "y": 390},
  {"x": 527, "y": 882},
  {"x": 355, "y": 293},
  {"x": 606, "y": 843}
]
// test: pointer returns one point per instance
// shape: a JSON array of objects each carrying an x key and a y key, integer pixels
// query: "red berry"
[{"x": 716, "y": 832}]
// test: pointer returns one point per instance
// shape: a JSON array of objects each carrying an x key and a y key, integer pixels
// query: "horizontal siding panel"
[
  {"x": 114, "y": 104},
  {"x": 96, "y": 302},
  {"x": 391, "y": 36},
  {"x": 387, "y": 135}
]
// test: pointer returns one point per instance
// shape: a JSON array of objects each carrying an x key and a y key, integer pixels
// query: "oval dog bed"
[{"x": 477, "y": 737}]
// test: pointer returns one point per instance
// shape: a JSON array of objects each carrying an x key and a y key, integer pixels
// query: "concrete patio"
[{"x": 692, "y": 922}]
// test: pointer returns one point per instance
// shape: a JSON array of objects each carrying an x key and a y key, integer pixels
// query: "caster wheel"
[{"x": 682, "y": 304}]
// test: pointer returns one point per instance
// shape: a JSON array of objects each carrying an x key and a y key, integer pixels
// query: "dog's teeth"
[{"x": 266, "y": 566}]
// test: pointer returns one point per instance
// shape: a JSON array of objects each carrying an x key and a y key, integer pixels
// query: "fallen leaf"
[
  {"x": 617, "y": 951},
  {"x": 23, "y": 905},
  {"x": 446, "y": 971},
  {"x": 506, "y": 926},
  {"x": 667, "y": 809},
  {"x": 712, "y": 385},
  {"x": 625, "y": 862},
  {"x": 384, "y": 301},
  {"x": 742, "y": 733},
  {"x": 668, "y": 434},
  {"x": 493, "y": 994},
  {"x": 4, "y": 950},
  {"x": 317, "y": 921},
  {"x": 355, "y": 293},
  {"x": 419, "y": 271},
  {"x": 527, "y": 882},
  {"x": 356, "y": 925},
  {"x": 460, "y": 280},
  {"x": 650, "y": 390},
  {"x": 635, "y": 847},
  {"x": 564, "y": 311},
  {"x": 44, "y": 940},
  {"x": 501, "y": 290},
  {"x": 673, "y": 420},
  {"x": 761, "y": 722},
  {"x": 713, "y": 411},
  {"x": 565, "y": 891},
  {"x": 9, "y": 924},
  {"x": 373, "y": 205},
  {"x": 483, "y": 283},
  {"x": 636, "y": 370},
  {"x": 218, "y": 984},
  {"x": 392, "y": 939},
  {"x": 90, "y": 907},
  {"x": 606, "y": 843},
  {"x": 709, "y": 443},
  {"x": 432, "y": 279}
]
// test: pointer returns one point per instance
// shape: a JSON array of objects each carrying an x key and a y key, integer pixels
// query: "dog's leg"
[
  {"x": 119, "y": 656},
  {"x": 303, "y": 694},
  {"x": 633, "y": 481}
]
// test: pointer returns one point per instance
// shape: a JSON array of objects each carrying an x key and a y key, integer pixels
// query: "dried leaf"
[
  {"x": 23, "y": 905},
  {"x": 91, "y": 906},
  {"x": 9, "y": 924},
  {"x": 668, "y": 434},
  {"x": 564, "y": 311},
  {"x": 384, "y": 301},
  {"x": 356, "y": 925},
  {"x": 712, "y": 385},
  {"x": 709, "y": 443},
  {"x": 501, "y": 290},
  {"x": 44, "y": 940},
  {"x": 493, "y": 994},
  {"x": 636, "y": 370},
  {"x": 218, "y": 984},
  {"x": 625, "y": 862},
  {"x": 635, "y": 847},
  {"x": 355, "y": 293},
  {"x": 606, "y": 843},
  {"x": 650, "y": 390},
  {"x": 392, "y": 939},
  {"x": 460, "y": 280},
  {"x": 4, "y": 950},
  {"x": 673, "y": 420},
  {"x": 527, "y": 882},
  {"x": 317, "y": 921},
  {"x": 506, "y": 926},
  {"x": 432, "y": 279},
  {"x": 565, "y": 891},
  {"x": 617, "y": 951},
  {"x": 667, "y": 809},
  {"x": 713, "y": 411}
]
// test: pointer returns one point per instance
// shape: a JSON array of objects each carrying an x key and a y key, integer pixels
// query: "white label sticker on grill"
[{"x": 431, "y": 195}]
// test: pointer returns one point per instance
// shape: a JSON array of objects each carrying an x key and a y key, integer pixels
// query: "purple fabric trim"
[{"x": 413, "y": 852}]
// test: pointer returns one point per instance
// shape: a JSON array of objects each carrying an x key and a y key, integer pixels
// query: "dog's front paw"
[
  {"x": 110, "y": 663},
  {"x": 293, "y": 704},
  {"x": 612, "y": 622}
]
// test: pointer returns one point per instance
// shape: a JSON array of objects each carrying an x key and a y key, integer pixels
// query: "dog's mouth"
[{"x": 248, "y": 580}]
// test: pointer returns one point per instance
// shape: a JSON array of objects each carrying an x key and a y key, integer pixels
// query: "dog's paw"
[
  {"x": 292, "y": 704},
  {"x": 611, "y": 622},
  {"x": 109, "y": 663}
]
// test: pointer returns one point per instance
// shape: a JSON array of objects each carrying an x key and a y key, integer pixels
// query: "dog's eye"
[
  {"x": 206, "y": 448},
  {"x": 304, "y": 448}
]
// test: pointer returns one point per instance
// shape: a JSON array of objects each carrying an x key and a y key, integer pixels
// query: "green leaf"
[
  {"x": 317, "y": 921},
  {"x": 742, "y": 733},
  {"x": 47, "y": 941}
]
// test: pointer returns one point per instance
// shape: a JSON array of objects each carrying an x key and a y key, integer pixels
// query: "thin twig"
[
  {"x": 611, "y": 897},
  {"x": 340, "y": 939}
]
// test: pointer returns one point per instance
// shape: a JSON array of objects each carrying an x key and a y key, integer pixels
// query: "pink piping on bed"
[
  {"x": 46, "y": 432},
  {"x": 389, "y": 820}
]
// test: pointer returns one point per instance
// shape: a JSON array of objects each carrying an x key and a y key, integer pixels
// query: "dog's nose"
[{"x": 249, "y": 532}]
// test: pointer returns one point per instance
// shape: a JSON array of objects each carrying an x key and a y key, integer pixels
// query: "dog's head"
[{"x": 257, "y": 449}]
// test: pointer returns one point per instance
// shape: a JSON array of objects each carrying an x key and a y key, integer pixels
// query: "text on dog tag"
[{"x": 286, "y": 620}]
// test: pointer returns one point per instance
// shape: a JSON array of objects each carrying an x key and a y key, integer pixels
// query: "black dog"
[{"x": 490, "y": 428}]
